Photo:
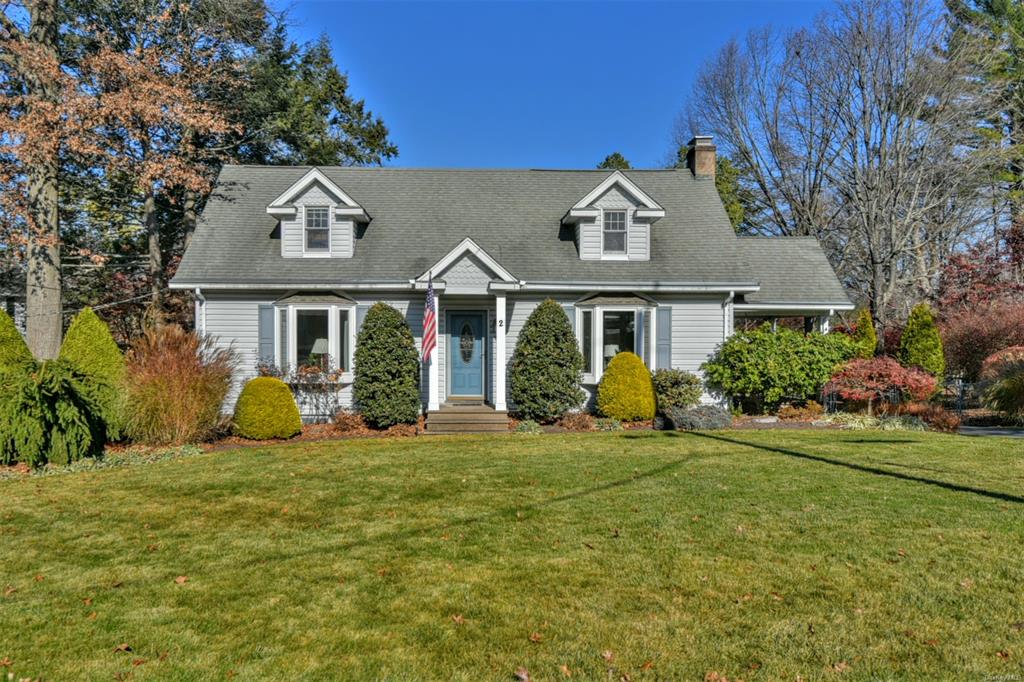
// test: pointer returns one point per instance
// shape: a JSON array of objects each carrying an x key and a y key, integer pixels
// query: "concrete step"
[
  {"x": 477, "y": 418},
  {"x": 434, "y": 429}
]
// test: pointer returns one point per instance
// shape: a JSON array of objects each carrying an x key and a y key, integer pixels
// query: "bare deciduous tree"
[{"x": 865, "y": 132}]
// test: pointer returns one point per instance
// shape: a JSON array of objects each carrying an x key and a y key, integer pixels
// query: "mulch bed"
[{"x": 749, "y": 422}]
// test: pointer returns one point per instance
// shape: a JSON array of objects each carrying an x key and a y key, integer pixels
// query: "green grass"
[{"x": 758, "y": 555}]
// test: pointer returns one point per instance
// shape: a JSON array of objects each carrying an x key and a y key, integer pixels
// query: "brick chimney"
[{"x": 701, "y": 157}]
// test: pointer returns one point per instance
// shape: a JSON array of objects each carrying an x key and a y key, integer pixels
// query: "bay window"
[
  {"x": 605, "y": 331},
  {"x": 317, "y": 336}
]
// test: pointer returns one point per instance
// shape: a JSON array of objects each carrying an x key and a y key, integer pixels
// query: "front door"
[{"x": 466, "y": 354}]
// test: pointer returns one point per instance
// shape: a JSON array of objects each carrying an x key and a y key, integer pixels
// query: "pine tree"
[
  {"x": 545, "y": 371},
  {"x": 921, "y": 345},
  {"x": 614, "y": 161},
  {"x": 864, "y": 335}
]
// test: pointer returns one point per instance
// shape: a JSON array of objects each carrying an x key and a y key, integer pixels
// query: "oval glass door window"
[{"x": 466, "y": 343}]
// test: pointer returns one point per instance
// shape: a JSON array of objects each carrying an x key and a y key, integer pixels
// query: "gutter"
[{"x": 405, "y": 285}]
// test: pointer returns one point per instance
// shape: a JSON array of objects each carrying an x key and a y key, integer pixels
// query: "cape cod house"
[{"x": 286, "y": 260}]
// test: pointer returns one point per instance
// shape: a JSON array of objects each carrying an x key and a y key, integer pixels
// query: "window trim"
[
  {"x": 333, "y": 335},
  {"x": 615, "y": 255},
  {"x": 317, "y": 253}
]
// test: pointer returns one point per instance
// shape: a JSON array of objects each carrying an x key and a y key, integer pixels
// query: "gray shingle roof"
[
  {"x": 791, "y": 270},
  {"x": 419, "y": 215}
]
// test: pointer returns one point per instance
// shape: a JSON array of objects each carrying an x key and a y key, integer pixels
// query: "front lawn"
[{"x": 753, "y": 555}]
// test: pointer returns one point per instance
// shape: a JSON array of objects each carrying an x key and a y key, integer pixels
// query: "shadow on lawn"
[
  {"x": 512, "y": 511},
  {"x": 1005, "y": 497}
]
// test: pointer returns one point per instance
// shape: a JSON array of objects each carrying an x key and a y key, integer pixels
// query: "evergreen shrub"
[
  {"x": 700, "y": 418},
  {"x": 626, "y": 392},
  {"x": 90, "y": 347},
  {"x": 676, "y": 388},
  {"x": 13, "y": 349},
  {"x": 921, "y": 345},
  {"x": 387, "y": 369},
  {"x": 48, "y": 414},
  {"x": 864, "y": 335},
  {"x": 546, "y": 367},
  {"x": 266, "y": 409},
  {"x": 764, "y": 366}
]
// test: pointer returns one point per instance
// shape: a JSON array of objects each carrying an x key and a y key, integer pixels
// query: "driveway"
[{"x": 1011, "y": 432}]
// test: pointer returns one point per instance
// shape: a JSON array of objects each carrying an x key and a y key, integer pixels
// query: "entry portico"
[{"x": 468, "y": 282}]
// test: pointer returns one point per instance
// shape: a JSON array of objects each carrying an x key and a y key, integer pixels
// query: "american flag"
[{"x": 429, "y": 321}]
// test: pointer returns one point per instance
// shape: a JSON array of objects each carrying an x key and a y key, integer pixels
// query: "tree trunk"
[
  {"x": 43, "y": 319},
  {"x": 156, "y": 261},
  {"x": 189, "y": 216}
]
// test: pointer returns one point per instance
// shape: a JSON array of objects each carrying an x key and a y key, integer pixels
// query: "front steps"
[{"x": 466, "y": 419}]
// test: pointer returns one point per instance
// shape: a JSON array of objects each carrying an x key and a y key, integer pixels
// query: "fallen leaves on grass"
[
  {"x": 564, "y": 669},
  {"x": 607, "y": 655},
  {"x": 536, "y": 637},
  {"x": 967, "y": 583},
  {"x": 1004, "y": 654},
  {"x": 122, "y": 648},
  {"x": 458, "y": 618},
  {"x": 840, "y": 667},
  {"x": 181, "y": 579},
  {"x": 6, "y": 662},
  {"x": 523, "y": 675},
  {"x": 647, "y": 665},
  {"x": 87, "y": 601},
  {"x": 9, "y": 590}
]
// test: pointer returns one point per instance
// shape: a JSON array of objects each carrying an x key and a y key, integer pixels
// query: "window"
[
  {"x": 312, "y": 338},
  {"x": 618, "y": 333},
  {"x": 587, "y": 338},
  {"x": 614, "y": 232},
  {"x": 318, "y": 229}
]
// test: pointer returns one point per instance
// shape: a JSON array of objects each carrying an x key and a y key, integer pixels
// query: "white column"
[
  {"x": 652, "y": 342},
  {"x": 823, "y": 324},
  {"x": 434, "y": 389},
  {"x": 500, "y": 330}
]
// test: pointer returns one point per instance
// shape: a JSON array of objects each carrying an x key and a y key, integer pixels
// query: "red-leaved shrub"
[
  {"x": 174, "y": 386},
  {"x": 875, "y": 379},
  {"x": 970, "y": 336}
]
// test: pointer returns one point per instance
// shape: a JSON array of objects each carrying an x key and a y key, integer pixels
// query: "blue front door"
[{"x": 466, "y": 354}]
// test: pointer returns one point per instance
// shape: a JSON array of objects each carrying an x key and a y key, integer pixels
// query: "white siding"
[
  {"x": 699, "y": 326},
  {"x": 292, "y": 229},
  {"x": 638, "y": 233},
  {"x": 232, "y": 321}
]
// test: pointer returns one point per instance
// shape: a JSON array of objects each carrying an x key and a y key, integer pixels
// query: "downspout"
[
  {"x": 200, "y": 311},
  {"x": 727, "y": 322}
]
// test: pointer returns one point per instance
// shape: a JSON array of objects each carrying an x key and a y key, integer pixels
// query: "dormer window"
[
  {"x": 614, "y": 225},
  {"x": 318, "y": 229}
]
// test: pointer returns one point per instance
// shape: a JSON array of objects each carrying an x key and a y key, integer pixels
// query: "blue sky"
[{"x": 530, "y": 84}]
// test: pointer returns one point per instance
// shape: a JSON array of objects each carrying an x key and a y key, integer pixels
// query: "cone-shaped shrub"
[
  {"x": 90, "y": 347},
  {"x": 266, "y": 409},
  {"x": 12, "y": 347},
  {"x": 864, "y": 335},
  {"x": 626, "y": 392},
  {"x": 387, "y": 369},
  {"x": 921, "y": 345},
  {"x": 546, "y": 367},
  {"x": 48, "y": 414}
]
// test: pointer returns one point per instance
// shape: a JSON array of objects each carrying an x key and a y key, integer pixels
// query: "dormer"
[
  {"x": 613, "y": 221},
  {"x": 318, "y": 218}
]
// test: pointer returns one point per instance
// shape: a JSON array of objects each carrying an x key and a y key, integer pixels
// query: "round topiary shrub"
[
  {"x": 12, "y": 347},
  {"x": 387, "y": 368},
  {"x": 676, "y": 388},
  {"x": 90, "y": 347},
  {"x": 266, "y": 409},
  {"x": 921, "y": 345},
  {"x": 626, "y": 391},
  {"x": 546, "y": 368}
]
